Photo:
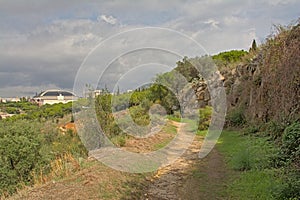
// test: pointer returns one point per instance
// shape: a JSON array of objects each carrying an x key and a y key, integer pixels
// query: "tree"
[
  {"x": 118, "y": 91},
  {"x": 253, "y": 46},
  {"x": 20, "y": 144}
]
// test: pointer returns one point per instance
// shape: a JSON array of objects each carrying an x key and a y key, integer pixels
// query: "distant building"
[
  {"x": 10, "y": 99},
  {"x": 5, "y": 115},
  {"x": 54, "y": 96},
  {"x": 97, "y": 93}
]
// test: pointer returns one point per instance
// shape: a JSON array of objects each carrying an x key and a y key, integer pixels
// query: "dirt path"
[{"x": 189, "y": 177}]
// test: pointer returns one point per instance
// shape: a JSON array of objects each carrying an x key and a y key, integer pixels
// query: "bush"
[
  {"x": 119, "y": 140},
  {"x": 236, "y": 118},
  {"x": 274, "y": 129},
  {"x": 20, "y": 144},
  {"x": 290, "y": 148},
  {"x": 289, "y": 188},
  {"x": 243, "y": 160},
  {"x": 250, "y": 130},
  {"x": 205, "y": 117},
  {"x": 139, "y": 115},
  {"x": 289, "y": 157}
]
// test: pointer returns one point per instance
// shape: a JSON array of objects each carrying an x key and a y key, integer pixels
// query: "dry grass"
[{"x": 62, "y": 167}]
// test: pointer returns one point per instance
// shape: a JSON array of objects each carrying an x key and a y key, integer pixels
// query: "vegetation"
[
  {"x": 236, "y": 118},
  {"x": 253, "y": 156},
  {"x": 229, "y": 58},
  {"x": 204, "y": 118},
  {"x": 30, "y": 144},
  {"x": 253, "y": 47},
  {"x": 268, "y": 110},
  {"x": 29, "y": 111},
  {"x": 263, "y": 155}
]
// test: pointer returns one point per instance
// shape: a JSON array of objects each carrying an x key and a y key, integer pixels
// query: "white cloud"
[
  {"x": 108, "y": 19},
  {"x": 213, "y": 23}
]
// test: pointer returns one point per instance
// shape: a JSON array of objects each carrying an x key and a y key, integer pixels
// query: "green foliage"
[
  {"x": 205, "y": 117},
  {"x": 289, "y": 186},
  {"x": 243, "y": 159},
  {"x": 247, "y": 152},
  {"x": 251, "y": 130},
  {"x": 186, "y": 69},
  {"x": 229, "y": 57},
  {"x": 12, "y": 110},
  {"x": 105, "y": 117},
  {"x": 254, "y": 185},
  {"x": 119, "y": 140},
  {"x": 290, "y": 148},
  {"x": 17, "y": 107},
  {"x": 251, "y": 155},
  {"x": 164, "y": 91},
  {"x": 175, "y": 117},
  {"x": 140, "y": 115},
  {"x": 273, "y": 129},
  {"x": 27, "y": 147},
  {"x": 236, "y": 117},
  {"x": 62, "y": 144},
  {"x": 44, "y": 113},
  {"x": 20, "y": 145},
  {"x": 139, "y": 97}
]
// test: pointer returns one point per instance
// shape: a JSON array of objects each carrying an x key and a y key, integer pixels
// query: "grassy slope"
[{"x": 249, "y": 158}]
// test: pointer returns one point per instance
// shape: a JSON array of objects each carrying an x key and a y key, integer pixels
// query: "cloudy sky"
[{"x": 43, "y": 43}]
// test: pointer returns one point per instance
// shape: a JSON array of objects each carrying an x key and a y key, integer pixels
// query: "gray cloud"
[{"x": 44, "y": 42}]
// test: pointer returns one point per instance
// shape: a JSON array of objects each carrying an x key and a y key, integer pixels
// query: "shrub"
[
  {"x": 243, "y": 159},
  {"x": 289, "y": 188},
  {"x": 20, "y": 143},
  {"x": 236, "y": 117},
  {"x": 205, "y": 117},
  {"x": 139, "y": 115},
  {"x": 119, "y": 140},
  {"x": 274, "y": 129},
  {"x": 250, "y": 130},
  {"x": 290, "y": 148}
]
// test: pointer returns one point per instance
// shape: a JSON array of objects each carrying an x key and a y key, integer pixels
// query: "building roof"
[{"x": 55, "y": 93}]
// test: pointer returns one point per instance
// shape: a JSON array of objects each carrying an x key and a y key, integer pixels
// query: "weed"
[
  {"x": 119, "y": 140},
  {"x": 274, "y": 129},
  {"x": 289, "y": 187},
  {"x": 251, "y": 130},
  {"x": 236, "y": 117},
  {"x": 243, "y": 159},
  {"x": 205, "y": 117}
]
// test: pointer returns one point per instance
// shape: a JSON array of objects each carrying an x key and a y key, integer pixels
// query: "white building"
[
  {"x": 10, "y": 99},
  {"x": 54, "y": 96}
]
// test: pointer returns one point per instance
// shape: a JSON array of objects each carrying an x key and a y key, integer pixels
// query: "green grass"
[
  {"x": 160, "y": 145},
  {"x": 174, "y": 118},
  {"x": 249, "y": 158},
  {"x": 202, "y": 133},
  {"x": 119, "y": 140},
  {"x": 170, "y": 129},
  {"x": 254, "y": 184}
]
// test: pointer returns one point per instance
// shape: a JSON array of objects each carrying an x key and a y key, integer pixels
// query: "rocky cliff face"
[{"x": 267, "y": 87}]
